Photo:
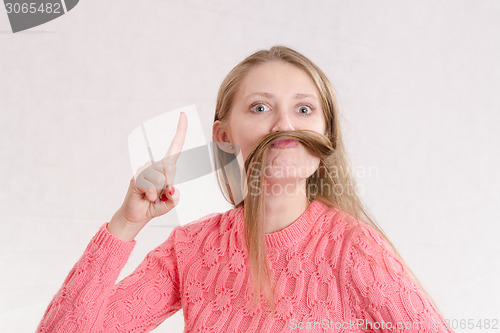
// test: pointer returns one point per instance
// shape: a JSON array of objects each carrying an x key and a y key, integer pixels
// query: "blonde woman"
[{"x": 297, "y": 251}]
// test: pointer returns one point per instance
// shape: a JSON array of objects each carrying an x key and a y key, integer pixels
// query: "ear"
[{"x": 221, "y": 137}]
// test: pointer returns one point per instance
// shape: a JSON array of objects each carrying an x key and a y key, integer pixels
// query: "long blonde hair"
[{"x": 328, "y": 147}]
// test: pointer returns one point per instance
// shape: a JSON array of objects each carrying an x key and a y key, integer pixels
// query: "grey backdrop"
[{"x": 418, "y": 86}]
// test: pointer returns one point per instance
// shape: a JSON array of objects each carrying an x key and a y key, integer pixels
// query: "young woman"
[{"x": 297, "y": 251}]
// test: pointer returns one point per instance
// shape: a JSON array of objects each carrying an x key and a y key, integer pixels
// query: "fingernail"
[
  {"x": 163, "y": 197},
  {"x": 172, "y": 191}
]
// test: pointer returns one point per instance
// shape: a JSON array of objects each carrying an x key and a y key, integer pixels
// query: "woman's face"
[{"x": 275, "y": 96}]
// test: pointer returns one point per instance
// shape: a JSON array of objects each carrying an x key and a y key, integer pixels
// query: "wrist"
[{"x": 122, "y": 229}]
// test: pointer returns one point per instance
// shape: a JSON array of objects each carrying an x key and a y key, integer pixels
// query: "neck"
[{"x": 282, "y": 209}]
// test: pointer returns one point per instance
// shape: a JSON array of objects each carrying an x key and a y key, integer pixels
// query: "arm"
[
  {"x": 380, "y": 289},
  {"x": 89, "y": 300}
]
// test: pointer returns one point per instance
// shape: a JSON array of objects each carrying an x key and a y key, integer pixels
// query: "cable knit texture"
[{"x": 336, "y": 275}]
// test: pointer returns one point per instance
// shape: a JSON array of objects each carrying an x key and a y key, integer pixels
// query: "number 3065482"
[{"x": 32, "y": 8}]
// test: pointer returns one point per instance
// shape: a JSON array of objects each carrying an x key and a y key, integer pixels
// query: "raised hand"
[{"x": 151, "y": 192}]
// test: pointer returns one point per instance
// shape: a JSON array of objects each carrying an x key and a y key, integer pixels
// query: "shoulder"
[
  {"x": 368, "y": 240},
  {"x": 338, "y": 225},
  {"x": 357, "y": 246},
  {"x": 355, "y": 233},
  {"x": 367, "y": 246},
  {"x": 371, "y": 267},
  {"x": 377, "y": 284}
]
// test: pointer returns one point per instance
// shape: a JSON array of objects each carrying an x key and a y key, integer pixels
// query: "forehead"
[{"x": 278, "y": 77}]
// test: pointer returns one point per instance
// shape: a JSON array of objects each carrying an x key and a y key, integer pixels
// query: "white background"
[{"x": 418, "y": 86}]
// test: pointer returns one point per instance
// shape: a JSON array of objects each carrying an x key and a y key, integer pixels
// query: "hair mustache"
[{"x": 317, "y": 144}]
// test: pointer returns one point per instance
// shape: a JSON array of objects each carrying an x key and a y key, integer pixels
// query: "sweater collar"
[{"x": 298, "y": 229}]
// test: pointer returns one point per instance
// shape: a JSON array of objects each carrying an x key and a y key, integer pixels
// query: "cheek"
[
  {"x": 319, "y": 125},
  {"x": 245, "y": 149},
  {"x": 248, "y": 142}
]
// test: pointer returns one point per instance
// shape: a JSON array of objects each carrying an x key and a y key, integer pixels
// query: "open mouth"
[{"x": 285, "y": 143}]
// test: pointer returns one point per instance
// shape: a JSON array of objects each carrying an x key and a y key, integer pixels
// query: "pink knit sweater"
[{"x": 336, "y": 276}]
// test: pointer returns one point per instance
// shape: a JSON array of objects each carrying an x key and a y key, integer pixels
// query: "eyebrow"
[{"x": 268, "y": 95}]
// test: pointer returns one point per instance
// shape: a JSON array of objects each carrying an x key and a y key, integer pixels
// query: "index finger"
[{"x": 177, "y": 143}]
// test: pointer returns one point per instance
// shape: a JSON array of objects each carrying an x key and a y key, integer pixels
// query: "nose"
[{"x": 282, "y": 122}]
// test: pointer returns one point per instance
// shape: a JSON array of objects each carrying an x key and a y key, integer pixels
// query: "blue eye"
[
  {"x": 259, "y": 108},
  {"x": 305, "y": 108}
]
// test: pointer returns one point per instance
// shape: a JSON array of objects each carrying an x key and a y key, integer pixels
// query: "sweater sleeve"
[
  {"x": 380, "y": 290},
  {"x": 89, "y": 300}
]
